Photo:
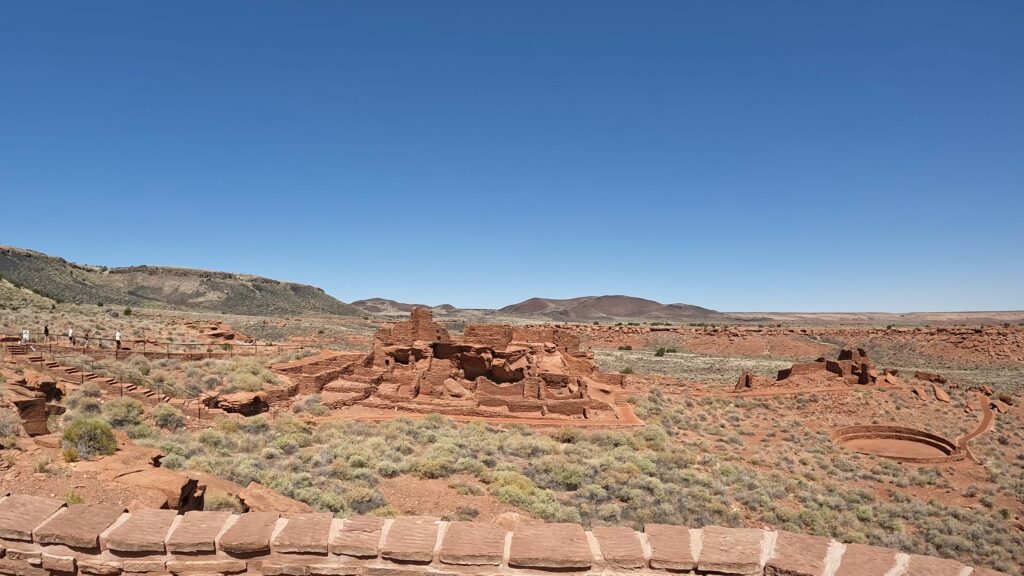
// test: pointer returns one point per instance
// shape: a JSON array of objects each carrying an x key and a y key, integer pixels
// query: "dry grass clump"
[{"x": 10, "y": 427}]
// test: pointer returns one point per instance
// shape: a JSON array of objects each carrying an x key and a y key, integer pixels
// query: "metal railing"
[{"x": 121, "y": 377}]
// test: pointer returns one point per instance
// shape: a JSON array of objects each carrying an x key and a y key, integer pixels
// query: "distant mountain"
[
  {"x": 389, "y": 307},
  {"x": 590, "y": 308},
  {"x": 164, "y": 287}
]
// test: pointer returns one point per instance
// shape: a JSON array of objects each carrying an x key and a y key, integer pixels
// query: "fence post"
[{"x": 168, "y": 350}]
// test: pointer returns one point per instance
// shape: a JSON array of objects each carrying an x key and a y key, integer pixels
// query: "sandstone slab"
[
  {"x": 359, "y": 536},
  {"x": 930, "y": 566},
  {"x": 20, "y": 513},
  {"x": 144, "y": 531},
  {"x": 101, "y": 565},
  {"x": 18, "y": 568},
  {"x": 550, "y": 546},
  {"x": 797, "y": 555},
  {"x": 334, "y": 569},
  {"x": 144, "y": 564},
  {"x": 286, "y": 565},
  {"x": 206, "y": 565},
  {"x": 304, "y": 534},
  {"x": 411, "y": 539},
  {"x": 197, "y": 532},
  {"x": 620, "y": 546},
  {"x": 79, "y": 526},
  {"x": 473, "y": 543},
  {"x": 670, "y": 547},
  {"x": 59, "y": 562},
  {"x": 863, "y": 560},
  {"x": 250, "y": 534},
  {"x": 730, "y": 550}
]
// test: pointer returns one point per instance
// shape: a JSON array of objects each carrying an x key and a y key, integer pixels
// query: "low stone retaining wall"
[
  {"x": 951, "y": 451},
  {"x": 41, "y": 536}
]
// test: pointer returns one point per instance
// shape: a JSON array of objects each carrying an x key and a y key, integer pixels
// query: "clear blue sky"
[{"x": 737, "y": 155}]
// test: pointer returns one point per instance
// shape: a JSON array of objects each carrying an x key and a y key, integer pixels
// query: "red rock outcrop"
[
  {"x": 244, "y": 403},
  {"x": 35, "y": 396}
]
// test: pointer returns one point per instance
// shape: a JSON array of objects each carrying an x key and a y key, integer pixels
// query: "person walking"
[
  {"x": 71, "y": 335},
  {"x": 86, "y": 340},
  {"x": 117, "y": 339},
  {"x": 46, "y": 333}
]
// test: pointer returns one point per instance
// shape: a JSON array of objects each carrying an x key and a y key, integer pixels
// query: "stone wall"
[
  {"x": 495, "y": 336},
  {"x": 41, "y": 536},
  {"x": 419, "y": 327}
]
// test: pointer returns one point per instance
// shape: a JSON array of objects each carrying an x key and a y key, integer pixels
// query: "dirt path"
[{"x": 987, "y": 417}]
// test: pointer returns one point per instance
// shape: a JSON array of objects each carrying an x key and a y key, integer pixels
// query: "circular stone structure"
[{"x": 899, "y": 443}]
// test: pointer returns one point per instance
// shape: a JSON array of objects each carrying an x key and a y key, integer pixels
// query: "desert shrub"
[
  {"x": 626, "y": 370},
  {"x": 223, "y": 502},
  {"x": 138, "y": 431},
  {"x": 311, "y": 405},
  {"x": 464, "y": 489},
  {"x": 466, "y": 513},
  {"x": 74, "y": 498},
  {"x": 659, "y": 352},
  {"x": 168, "y": 417},
  {"x": 625, "y": 347},
  {"x": 123, "y": 412},
  {"x": 567, "y": 434},
  {"x": 10, "y": 428},
  {"x": 86, "y": 438},
  {"x": 173, "y": 462},
  {"x": 82, "y": 402}
]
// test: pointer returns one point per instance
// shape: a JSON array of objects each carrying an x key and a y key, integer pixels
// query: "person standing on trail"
[
  {"x": 71, "y": 336},
  {"x": 86, "y": 343},
  {"x": 46, "y": 333},
  {"x": 24, "y": 336},
  {"x": 117, "y": 339}
]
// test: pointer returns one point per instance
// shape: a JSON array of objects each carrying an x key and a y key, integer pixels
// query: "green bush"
[
  {"x": 123, "y": 412},
  {"x": 626, "y": 370},
  {"x": 625, "y": 347},
  {"x": 659, "y": 352},
  {"x": 86, "y": 438},
  {"x": 168, "y": 417}
]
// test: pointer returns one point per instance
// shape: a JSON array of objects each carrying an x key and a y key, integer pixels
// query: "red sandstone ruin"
[{"x": 493, "y": 370}]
